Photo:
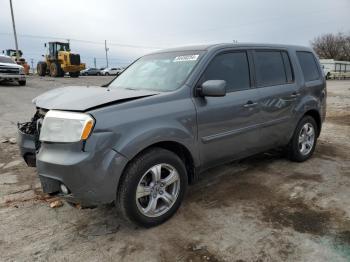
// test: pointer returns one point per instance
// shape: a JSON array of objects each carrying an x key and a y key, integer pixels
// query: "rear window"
[
  {"x": 308, "y": 66},
  {"x": 272, "y": 68}
]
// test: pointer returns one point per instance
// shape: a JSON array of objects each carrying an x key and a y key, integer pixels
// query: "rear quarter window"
[{"x": 308, "y": 66}]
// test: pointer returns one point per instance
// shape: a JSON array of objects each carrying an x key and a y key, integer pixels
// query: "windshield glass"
[
  {"x": 4, "y": 59},
  {"x": 159, "y": 72},
  {"x": 62, "y": 47}
]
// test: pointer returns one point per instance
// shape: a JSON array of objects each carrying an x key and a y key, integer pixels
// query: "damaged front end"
[{"x": 28, "y": 137}]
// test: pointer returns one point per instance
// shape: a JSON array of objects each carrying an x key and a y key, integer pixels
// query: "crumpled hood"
[{"x": 82, "y": 98}]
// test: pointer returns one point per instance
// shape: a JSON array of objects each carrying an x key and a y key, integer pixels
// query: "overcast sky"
[{"x": 136, "y": 27}]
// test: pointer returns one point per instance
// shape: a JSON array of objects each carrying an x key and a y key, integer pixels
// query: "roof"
[
  {"x": 58, "y": 42},
  {"x": 231, "y": 45}
]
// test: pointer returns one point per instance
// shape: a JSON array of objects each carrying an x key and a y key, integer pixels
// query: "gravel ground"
[{"x": 263, "y": 208}]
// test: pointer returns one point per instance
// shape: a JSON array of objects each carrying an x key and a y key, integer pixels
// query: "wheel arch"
[
  {"x": 177, "y": 148},
  {"x": 317, "y": 117}
]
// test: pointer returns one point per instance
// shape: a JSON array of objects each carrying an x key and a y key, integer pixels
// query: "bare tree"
[{"x": 332, "y": 46}]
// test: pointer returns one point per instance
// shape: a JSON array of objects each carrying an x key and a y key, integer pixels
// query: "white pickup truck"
[{"x": 10, "y": 71}]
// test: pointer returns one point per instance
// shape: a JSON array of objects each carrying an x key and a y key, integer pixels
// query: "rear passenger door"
[
  {"x": 228, "y": 126},
  {"x": 278, "y": 94}
]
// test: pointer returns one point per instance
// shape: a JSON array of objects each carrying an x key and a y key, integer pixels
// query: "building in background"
[{"x": 334, "y": 69}]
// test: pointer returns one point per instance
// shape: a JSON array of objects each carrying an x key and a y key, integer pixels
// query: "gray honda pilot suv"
[{"x": 141, "y": 139}]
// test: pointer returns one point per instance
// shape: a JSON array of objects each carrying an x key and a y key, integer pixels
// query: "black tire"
[
  {"x": 106, "y": 74},
  {"x": 74, "y": 74},
  {"x": 55, "y": 70},
  {"x": 41, "y": 68},
  {"x": 22, "y": 82},
  {"x": 98, "y": 73},
  {"x": 126, "y": 195},
  {"x": 293, "y": 150}
]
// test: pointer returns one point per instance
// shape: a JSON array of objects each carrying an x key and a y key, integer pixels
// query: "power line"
[{"x": 83, "y": 41}]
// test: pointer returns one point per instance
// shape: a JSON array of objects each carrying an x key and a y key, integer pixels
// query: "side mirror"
[
  {"x": 42, "y": 55},
  {"x": 213, "y": 88},
  {"x": 45, "y": 44}
]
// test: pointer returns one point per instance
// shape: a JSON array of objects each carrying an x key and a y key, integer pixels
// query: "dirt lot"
[{"x": 264, "y": 208}]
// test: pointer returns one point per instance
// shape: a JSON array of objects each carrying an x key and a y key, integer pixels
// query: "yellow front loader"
[{"x": 59, "y": 61}]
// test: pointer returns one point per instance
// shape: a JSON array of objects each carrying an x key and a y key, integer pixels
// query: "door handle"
[{"x": 250, "y": 104}]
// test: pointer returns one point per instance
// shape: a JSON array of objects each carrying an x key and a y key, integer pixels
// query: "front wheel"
[
  {"x": 303, "y": 142},
  {"x": 152, "y": 187}
]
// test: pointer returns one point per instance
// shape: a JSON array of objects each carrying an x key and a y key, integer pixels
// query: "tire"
[
  {"x": 41, "y": 68},
  {"x": 295, "y": 147},
  {"x": 98, "y": 74},
  {"x": 22, "y": 82},
  {"x": 138, "y": 172},
  {"x": 74, "y": 74},
  {"x": 55, "y": 70},
  {"x": 106, "y": 74}
]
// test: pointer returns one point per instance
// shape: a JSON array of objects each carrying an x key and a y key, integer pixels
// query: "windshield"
[
  {"x": 4, "y": 59},
  {"x": 159, "y": 72},
  {"x": 62, "y": 47}
]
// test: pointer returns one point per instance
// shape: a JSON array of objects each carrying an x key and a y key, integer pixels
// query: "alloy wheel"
[
  {"x": 306, "y": 139},
  {"x": 157, "y": 190}
]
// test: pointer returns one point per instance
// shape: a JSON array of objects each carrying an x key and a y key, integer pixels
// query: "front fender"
[{"x": 138, "y": 141}]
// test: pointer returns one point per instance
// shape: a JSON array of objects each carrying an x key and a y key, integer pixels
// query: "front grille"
[
  {"x": 9, "y": 70},
  {"x": 74, "y": 59}
]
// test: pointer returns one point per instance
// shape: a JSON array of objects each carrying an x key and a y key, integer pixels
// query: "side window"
[
  {"x": 231, "y": 67},
  {"x": 270, "y": 68},
  {"x": 308, "y": 66}
]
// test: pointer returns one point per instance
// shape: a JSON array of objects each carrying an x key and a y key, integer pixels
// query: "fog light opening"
[{"x": 64, "y": 189}]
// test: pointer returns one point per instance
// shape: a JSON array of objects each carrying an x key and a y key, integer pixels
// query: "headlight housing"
[{"x": 61, "y": 126}]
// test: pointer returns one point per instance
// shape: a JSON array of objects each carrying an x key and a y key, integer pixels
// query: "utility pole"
[
  {"x": 106, "y": 49},
  {"x": 95, "y": 62},
  {"x": 32, "y": 62},
  {"x": 14, "y": 31}
]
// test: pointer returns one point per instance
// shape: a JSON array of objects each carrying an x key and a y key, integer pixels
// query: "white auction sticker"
[{"x": 184, "y": 58}]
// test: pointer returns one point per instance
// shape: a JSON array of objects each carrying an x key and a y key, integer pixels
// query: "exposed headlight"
[
  {"x": 21, "y": 70},
  {"x": 61, "y": 126}
]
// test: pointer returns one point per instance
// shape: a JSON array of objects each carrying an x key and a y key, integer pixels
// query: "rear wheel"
[
  {"x": 152, "y": 187},
  {"x": 74, "y": 74},
  {"x": 106, "y": 74},
  {"x": 55, "y": 70},
  {"x": 41, "y": 68},
  {"x": 303, "y": 142},
  {"x": 98, "y": 73}
]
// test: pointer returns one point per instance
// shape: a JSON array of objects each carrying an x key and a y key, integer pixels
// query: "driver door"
[{"x": 228, "y": 126}]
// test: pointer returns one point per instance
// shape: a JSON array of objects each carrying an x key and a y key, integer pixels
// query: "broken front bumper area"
[
  {"x": 28, "y": 138},
  {"x": 85, "y": 172}
]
